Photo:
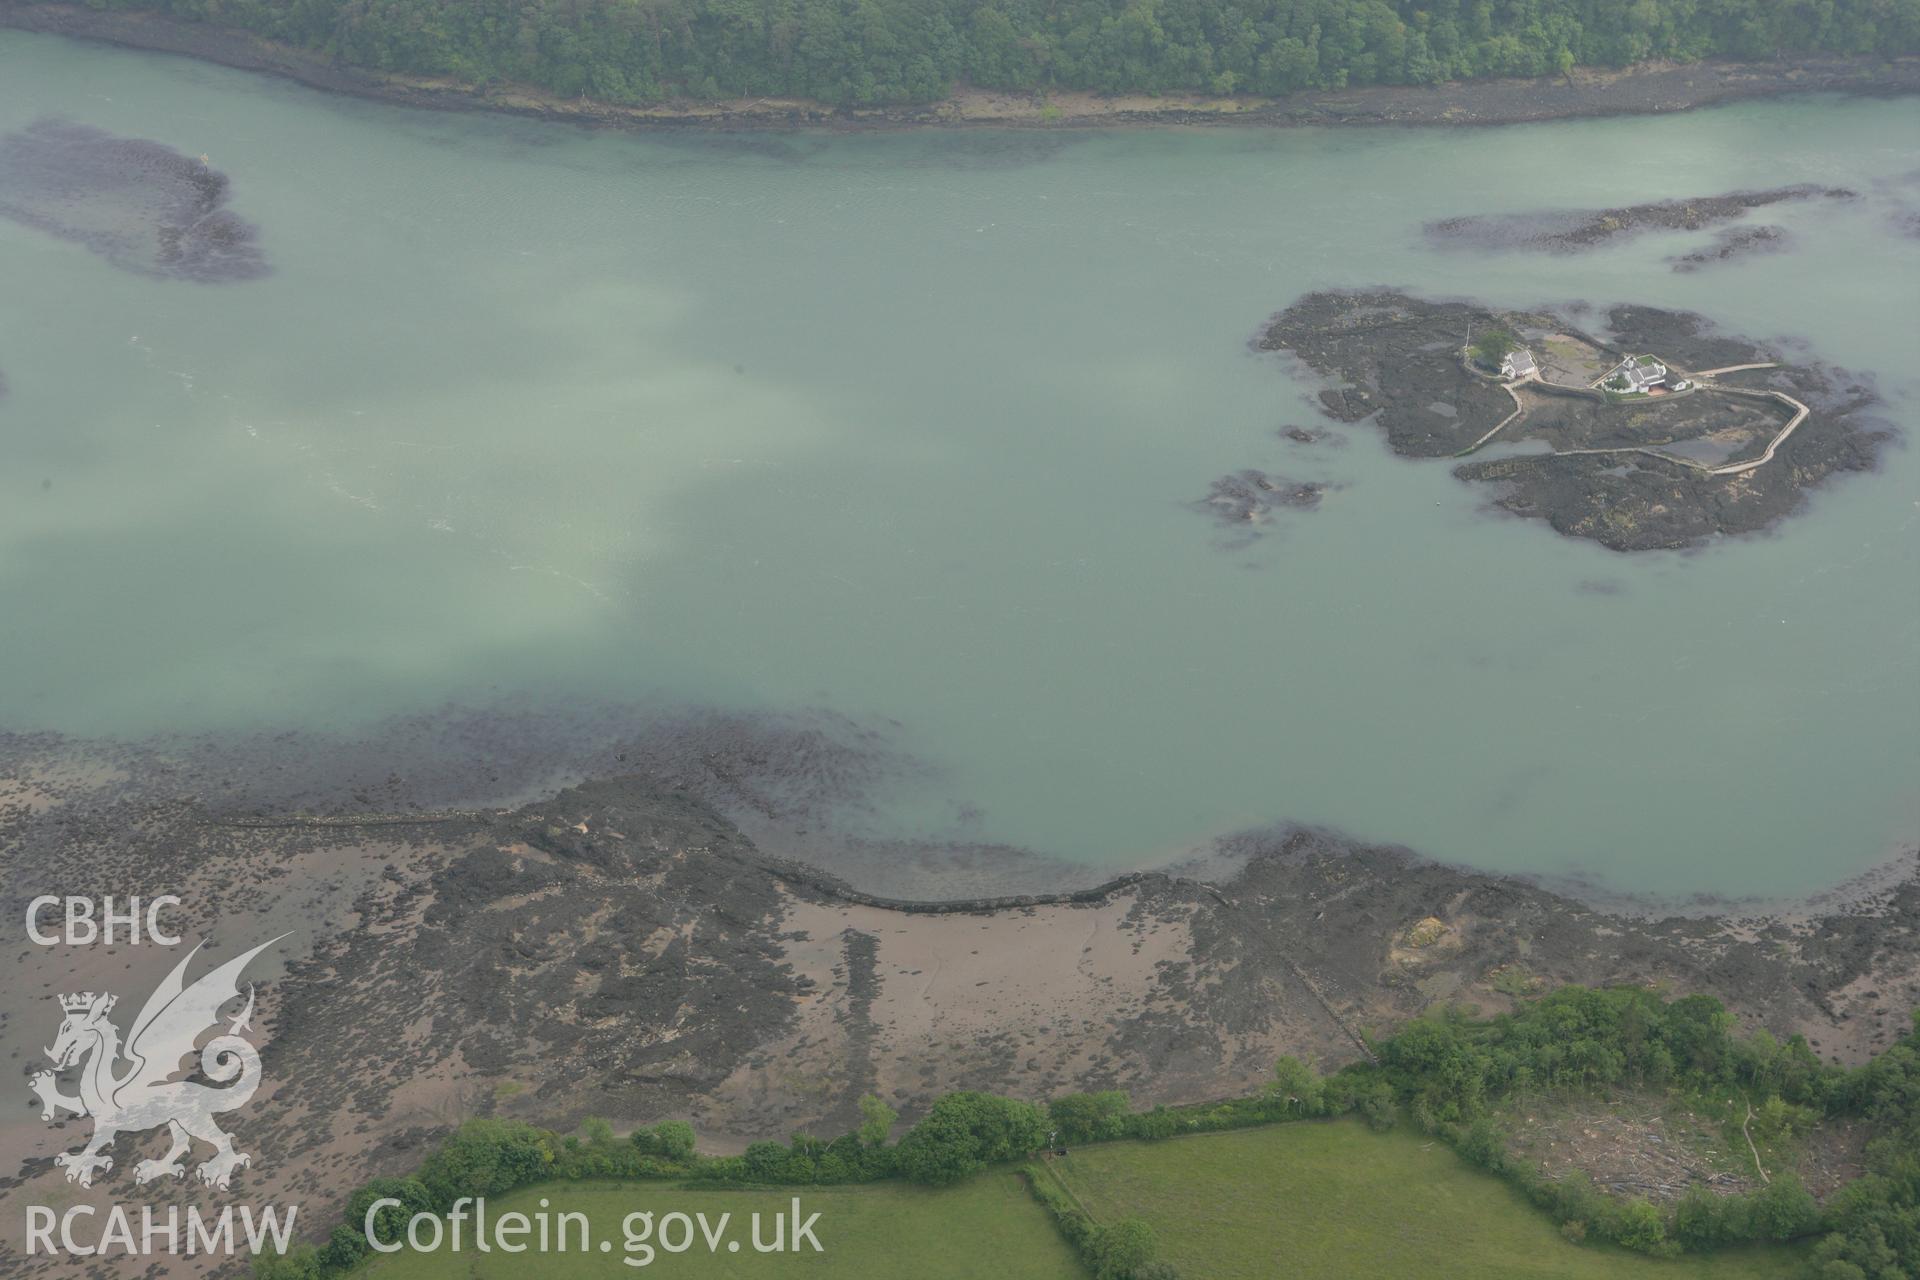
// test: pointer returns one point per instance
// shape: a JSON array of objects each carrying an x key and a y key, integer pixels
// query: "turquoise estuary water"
[{"x": 908, "y": 428}]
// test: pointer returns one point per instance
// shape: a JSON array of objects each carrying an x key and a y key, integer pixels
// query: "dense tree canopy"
[
  {"x": 966, "y": 1132},
  {"x": 1876, "y": 1219},
  {"x": 878, "y": 51},
  {"x": 1582, "y": 1039}
]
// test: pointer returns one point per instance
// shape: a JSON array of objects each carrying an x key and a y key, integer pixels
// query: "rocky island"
[{"x": 1661, "y": 434}]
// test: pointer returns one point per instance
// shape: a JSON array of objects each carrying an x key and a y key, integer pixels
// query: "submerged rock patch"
[
  {"x": 139, "y": 204},
  {"x": 1572, "y": 230},
  {"x": 1245, "y": 499},
  {"x": 1734, "y": 242}
]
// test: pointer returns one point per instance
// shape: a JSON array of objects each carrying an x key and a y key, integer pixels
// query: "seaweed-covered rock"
[
  {"x": 1572, "y": 230},
  {"x": 141, "y": 205},
  {"x": 1249, "y": 497},
  {"x": 1732, "y": 243}
]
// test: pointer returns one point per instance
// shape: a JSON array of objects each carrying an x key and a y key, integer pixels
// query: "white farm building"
[{"x": 1638, "y": 374}]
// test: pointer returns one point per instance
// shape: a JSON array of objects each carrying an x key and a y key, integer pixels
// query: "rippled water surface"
[{"x": 908, "y": 428}]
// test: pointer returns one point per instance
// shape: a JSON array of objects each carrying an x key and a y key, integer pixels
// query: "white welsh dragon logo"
[{"x": 142, "y": 1096}]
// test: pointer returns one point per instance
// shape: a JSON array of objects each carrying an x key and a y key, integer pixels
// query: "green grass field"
[
  {"x": 1301, "y": 1201},
  {"x": 987, "y": 1228},
  {"x": 1334, "y": 1200}
]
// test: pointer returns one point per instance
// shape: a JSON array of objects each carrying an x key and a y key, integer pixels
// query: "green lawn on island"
[
  {"x": 989, "y": 1228},
  {"x": 1333, "y": 1199}
]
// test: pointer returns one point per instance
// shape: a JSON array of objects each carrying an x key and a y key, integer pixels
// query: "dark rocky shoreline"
[
  {"x": 1649, "y": 89},
  {"x": 557, "y": 943},
  {"x": 623, "y": 949}
]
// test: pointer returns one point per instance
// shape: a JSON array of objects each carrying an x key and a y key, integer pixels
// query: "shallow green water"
[{"x": 906, "y": 427}]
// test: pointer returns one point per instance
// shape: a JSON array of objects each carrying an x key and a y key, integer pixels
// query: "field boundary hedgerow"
[{"x": 1448, "y": 1074}]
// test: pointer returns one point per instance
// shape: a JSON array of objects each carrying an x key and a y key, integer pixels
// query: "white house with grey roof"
[
  {"x": 1637, "y": 374},
  {"x": 1519, "y": 366}
]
